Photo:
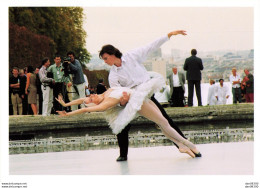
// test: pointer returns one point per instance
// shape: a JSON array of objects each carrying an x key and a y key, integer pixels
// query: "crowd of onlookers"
[
  {"x": 33, "y": 91},
  {"x": 242, "y": 89}
]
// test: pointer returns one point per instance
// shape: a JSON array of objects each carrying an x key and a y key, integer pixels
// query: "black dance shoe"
[
  {"x": 197, "y": 154},
  {"x": 121, "y": 159}
]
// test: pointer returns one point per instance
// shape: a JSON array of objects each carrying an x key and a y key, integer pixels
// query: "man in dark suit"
[
  {"x": 193, "y": 65},
  {"x": 101, "y": 88},
  {"x": 177, "y": 89}
]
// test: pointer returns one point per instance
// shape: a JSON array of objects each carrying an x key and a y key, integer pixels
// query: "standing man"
[
  {"x": 177, "y": 89},
  {"x": 193, "y": 65},
  {"x": 249, "y": 84},
  {"x": 236, "y": 89},
  {"x": 128, "y": 71},
  {"x": 16, "y": 92},
  {"x": 78, "y": 89},
  {"x": 101, "y": 88},
  {"x": 46, "y": 87},
  {"x": 58, "y": 75},
  {"x": 39, "y": 91},
  {"x": 24, "y": 96},
  {"x": 222, "y": 93}
]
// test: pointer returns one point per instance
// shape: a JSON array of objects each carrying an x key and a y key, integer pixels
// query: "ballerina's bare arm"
[
  {"x": 74, "y": 102},
  {"x": 107, "y": 103}
]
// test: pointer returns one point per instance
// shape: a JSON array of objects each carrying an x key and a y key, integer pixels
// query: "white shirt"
[
  {"x": 212, "y": 100},
  {"x": 234, "y": 78},
  {"x": 132, "y": 72},
  {"x": 86, "y": 80},
  {"x": 176, "y": 81},
  {"x": 222, "y": 93}
]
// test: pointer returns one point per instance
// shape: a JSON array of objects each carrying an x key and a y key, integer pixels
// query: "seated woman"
[{"x": 138, "y": 104}]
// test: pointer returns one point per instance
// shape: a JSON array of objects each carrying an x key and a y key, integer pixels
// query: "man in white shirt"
[
  {"x": 177, "y": 89},
  {"x": 128, "y": 71},
  {"x": 222, "y": 92},
  {"x": 47, "y": 91},
  {"x": 236, "y": 89}
]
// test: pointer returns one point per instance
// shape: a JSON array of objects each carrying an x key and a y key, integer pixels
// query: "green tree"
[{"x": 63, "y": 25}]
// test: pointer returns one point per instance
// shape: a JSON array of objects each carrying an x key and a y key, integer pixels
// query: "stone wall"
[{"x": 218, "y": 113}]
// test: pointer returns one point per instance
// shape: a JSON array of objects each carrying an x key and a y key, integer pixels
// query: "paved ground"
[{"x": 218, "y": 159}]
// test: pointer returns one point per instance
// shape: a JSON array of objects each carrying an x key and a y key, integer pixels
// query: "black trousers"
[
  {"x": 122, "y": 137},
  {"x": 58, "y": 89},
  {"x": 177, "y": 97},
  {"x": 191, "y": 84}
]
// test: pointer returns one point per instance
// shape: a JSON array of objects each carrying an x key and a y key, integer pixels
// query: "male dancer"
[{"x": 128, "y": 71}]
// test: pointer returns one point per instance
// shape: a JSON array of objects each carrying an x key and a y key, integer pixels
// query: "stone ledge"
[{"x": 244, "y": 111}]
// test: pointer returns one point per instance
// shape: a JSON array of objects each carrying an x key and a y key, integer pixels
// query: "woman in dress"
[
  {"x": 31, "y": 89},
  {"x": 138, "y": 104}
]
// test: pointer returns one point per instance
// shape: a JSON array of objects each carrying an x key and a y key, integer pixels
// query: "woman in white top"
[
  {"x": 212, "y": 100},
  {"x": 139, "y": 103}
]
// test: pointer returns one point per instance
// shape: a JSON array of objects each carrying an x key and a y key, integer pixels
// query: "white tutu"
[{"x": 119, "y": 117}]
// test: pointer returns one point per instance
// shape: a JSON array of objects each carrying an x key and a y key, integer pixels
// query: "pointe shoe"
[
  {"x": 188, "y": 151},
  {"x": 197, "y": 154},
  {"x": 193, "y": 148}
]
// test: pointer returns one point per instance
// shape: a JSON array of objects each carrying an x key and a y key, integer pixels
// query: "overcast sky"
[{"x": 208, "y": 28}]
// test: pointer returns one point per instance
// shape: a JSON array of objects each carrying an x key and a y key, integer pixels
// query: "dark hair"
[
  {"x": 45, "y": 60},
  {"x": 100, "y": 80},
  {"x": 193, "y": 52},
  {"x": 16, "y": 68},
  {"x": 57, "y": 55},
  {"x": 111, "y": 50},
  {"x": 71, "y": 53},
  {"x": 30, "y": 69},
  {"x": 221, "y": 79}
]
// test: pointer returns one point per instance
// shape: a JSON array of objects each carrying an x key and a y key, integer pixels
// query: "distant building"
[
  {"x": 159, "y": 66},
  {"x": 251, "y": 54}
]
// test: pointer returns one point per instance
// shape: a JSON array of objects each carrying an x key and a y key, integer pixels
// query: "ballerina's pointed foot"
[
  {"x": 193, "y": 148},
  {"x": 197, "y": 154},
  {"x": 188, "y": 151}
]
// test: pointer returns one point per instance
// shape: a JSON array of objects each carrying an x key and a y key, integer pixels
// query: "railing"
[{"x": 135, "y": 140}]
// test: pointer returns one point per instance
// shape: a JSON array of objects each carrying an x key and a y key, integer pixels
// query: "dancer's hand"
[
  {"x": 177, "y": 32},
  {"x": 62, "y": 113},
  {"x": 60, "y": 100},
  {"x": 124, "y": 99}
]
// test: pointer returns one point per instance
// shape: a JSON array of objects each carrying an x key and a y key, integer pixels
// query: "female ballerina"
[{"x": 138, "y": 104}]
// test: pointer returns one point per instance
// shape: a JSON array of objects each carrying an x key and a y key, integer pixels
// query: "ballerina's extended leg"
[{"x": 151, "y": 111}]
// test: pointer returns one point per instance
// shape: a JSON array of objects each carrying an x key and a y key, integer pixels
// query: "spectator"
[
  {"x": 248, "y": 82},
  {"x": 31, "y": 89},
  {"x": 60, "y": 82},
  {"x": 24, "y": 96},
  {"x": 193, "y": 65},
  {"x": 78, "y": 89},
  {"x": 212, "y": 100},
  {"x": 177, "y": 89},
  {"x": 222, "y": 92},
  {"x": 101, "y": 88},
  {"x": 14, "y": 82},
  {"x": 46, "y": 87},
  {"x": 91, "y": 90},
  {"x": 86, "y": 85},
  {"x": 39, "y": 90},
  {"x": 236, "y": 89}
]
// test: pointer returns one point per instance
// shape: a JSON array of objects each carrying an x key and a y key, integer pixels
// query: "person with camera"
[
  {"x": 47, "y": 85},
  {"x": 78, "y": 89},
  {"x": 60, "y": 80}
]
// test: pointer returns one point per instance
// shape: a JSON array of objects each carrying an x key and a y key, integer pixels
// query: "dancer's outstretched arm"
[
  {"x": 107, "y": 103},
  {"x": 74, "y": 102}
]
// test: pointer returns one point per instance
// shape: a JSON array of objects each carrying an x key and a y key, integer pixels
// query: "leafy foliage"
[{"x": 60, "y": 28}]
